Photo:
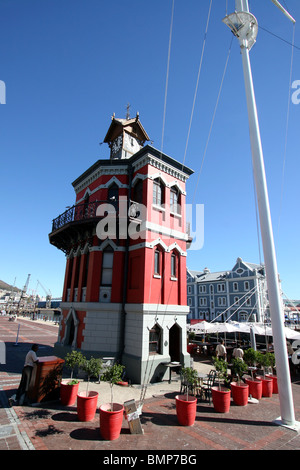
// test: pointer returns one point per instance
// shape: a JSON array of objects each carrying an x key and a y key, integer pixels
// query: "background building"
[
  {"x": 239, "y": 294},
  {"x": 125, "y": 242}
]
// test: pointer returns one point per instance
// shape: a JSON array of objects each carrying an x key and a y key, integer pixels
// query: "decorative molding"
[
  {"x": 102, "y": 170},
  {"x": 160, "y": 165}
]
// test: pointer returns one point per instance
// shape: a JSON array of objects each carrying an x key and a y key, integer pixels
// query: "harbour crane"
[
  {"x": 48, "y": 294},
  {"x": 24, "y": 290}
]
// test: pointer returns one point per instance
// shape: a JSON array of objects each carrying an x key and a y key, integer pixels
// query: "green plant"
[
  {"x": 73, "y": 382},
  {"x": 92, "y": 367},
  {"x": 239, "y": 368},
  {"x": 251, "y": 357},
  {"x": 113, "y": 375},
  {"x": 266, "y": 360},
  {"x": 221, "y": 368},
  {"x": 72, "y": 360},
  {"x": 190, "y": 376},
  {"x": 192, "y": 336}
]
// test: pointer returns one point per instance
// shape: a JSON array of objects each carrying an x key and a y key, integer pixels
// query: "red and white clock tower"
[{"x": 125, "y": 241}]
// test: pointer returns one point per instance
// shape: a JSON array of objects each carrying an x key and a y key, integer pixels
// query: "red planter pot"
[
  {"x": 68, "y": 393},
  {"x": 267, "y": 386},
  {"x": 255, "y": 388},
  {"x": 240, "y": 393},
  {"x": 86, "y": 405},
  {"x": 111, "y": 421},
  {"x": 221, "y": 399},
  {"x": 275, "y": 384},
  {"x": 186, "y": 410}
]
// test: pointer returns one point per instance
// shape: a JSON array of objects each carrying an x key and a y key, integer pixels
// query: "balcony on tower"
[{"x": 83, "y": 218}]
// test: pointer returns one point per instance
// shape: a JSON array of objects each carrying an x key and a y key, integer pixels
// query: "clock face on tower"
[{"x": 116, "y": 145}]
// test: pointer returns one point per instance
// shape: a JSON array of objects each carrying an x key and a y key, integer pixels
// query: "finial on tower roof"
[{"x": 127, "y": 111}]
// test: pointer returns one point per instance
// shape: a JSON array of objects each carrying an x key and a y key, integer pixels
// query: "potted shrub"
[
  {"x": 185, "y": 404},
  {"x": 239, "y": 389},
  {"x": 255, "y": 385},
  {"x": 221, "y": 395},
  {"x": 267, "y": 382},
  {"x": 87, "y": 401},
  {"x": 111, "y": 414},
  {"x": 271, "y": 374},
  {"x": 69, "y": 387}
]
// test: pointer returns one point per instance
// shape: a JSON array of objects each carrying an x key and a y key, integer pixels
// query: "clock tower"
[
  {"x": 126, "y": 240},
  {"x": 125, "y": 137}
]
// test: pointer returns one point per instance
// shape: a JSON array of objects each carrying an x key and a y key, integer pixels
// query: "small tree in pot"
[
  {"x": 87, "y": 401},
  {"x": 221, "y": 395},
  {"x": 239, "y": 367},
  {"x": 251, "y": 357},
  {"x": 189, "y": 376},
  {"x": 239, "y": 389},
  {"x": 73, "y": 360},
  {"x": 111, "y": 414},
  {"x": 69, "y": 388},
  {"x": 266, "y": 360},
  {"x": 92, "y": 367},
  {"x": 113, "y": 375},
  {"x": 185, "y": 404}
]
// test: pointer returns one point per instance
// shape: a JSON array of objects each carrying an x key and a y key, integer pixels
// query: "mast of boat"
[{"x": 245, "y": 27}]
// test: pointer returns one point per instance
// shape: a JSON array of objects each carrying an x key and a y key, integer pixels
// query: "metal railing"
[{"x": 78, "y": 212}]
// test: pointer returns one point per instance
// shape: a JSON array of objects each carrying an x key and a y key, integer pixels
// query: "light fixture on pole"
[{"x": 245, "y": 27}]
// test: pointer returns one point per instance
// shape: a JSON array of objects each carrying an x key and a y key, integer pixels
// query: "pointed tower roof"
[{"x": 132, "y": 126}]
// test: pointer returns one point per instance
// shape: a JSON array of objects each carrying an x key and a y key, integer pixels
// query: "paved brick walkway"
[{"x": 51, "y": 426}]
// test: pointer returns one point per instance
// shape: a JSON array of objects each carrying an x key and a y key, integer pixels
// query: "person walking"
[
  {"x": 30, "y": 360},
  {"x": 221, "y": 350}
]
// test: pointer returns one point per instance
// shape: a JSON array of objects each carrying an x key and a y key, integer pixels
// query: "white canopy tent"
[{"x": 205, "y": 327}]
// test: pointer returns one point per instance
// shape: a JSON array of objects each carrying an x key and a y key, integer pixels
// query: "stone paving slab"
[{"x": 51, "y": 426}]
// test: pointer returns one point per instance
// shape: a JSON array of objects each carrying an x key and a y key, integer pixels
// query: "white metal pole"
[
  {"x": 282, "y": 365},
  {"x": 16, "y": 343}
]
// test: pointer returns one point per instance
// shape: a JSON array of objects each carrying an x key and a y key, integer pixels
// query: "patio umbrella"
[
  {"x": 202, "y": 327},
  {"x": 291, "y": 334},
  {"x": 224, "y": 327}
]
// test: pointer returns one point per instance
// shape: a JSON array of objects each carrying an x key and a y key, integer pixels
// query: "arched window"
[
  {"x": 86, "y": 206},
  {"x": 86, "y": 269},
  {"x": 113, "y": 195},
  {"x": 158, "y": 192},
  {"x": 157, "y": 261},
  {"x": 175, "y": 200},
  {"x": 137, "y": 192},
  {"x": 174, "y": 265},
  {"x": 155, "y": 340},
  {"x": 107, "y": 266}
]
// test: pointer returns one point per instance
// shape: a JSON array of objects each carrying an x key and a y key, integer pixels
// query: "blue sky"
[{"x": 68, "y": 65}]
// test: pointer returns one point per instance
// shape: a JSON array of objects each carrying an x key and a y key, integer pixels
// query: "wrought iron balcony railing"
[{"x": 78, "y": 212}]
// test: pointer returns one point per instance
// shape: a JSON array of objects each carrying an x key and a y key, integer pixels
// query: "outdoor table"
[
  {"x": 201, "y": 376},
  {"x": 170, "y": 365}
]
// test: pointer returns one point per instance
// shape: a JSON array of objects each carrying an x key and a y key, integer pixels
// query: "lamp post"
[{"x": 245, "y": 27}]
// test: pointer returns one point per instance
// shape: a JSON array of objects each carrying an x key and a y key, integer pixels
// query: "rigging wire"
[
  {"x": 144, "y": 387},
  {"x": 230, "y": 306},
  {"x": 214, "y": 115},
  {"x": 167, "y": 76},
  {"x": 279, "y": 37},
  {"x": 145, "y": 382},
  {"x": 287, "y": 126},
  {"x": 197, "y": 82}
]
